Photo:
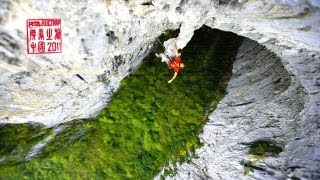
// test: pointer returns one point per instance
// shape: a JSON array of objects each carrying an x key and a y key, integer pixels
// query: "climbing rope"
[{"x": 161, "y": 44}]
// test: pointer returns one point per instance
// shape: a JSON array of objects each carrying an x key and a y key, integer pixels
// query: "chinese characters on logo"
[{"x": 44, "y": 36}]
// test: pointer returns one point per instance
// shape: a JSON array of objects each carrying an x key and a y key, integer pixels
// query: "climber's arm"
[
  {"x": 174, "y": 76},
  {"x": 176, "y": 49}
]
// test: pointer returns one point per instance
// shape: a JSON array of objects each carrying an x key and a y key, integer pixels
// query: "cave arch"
[{"x": 264, "y": 102}]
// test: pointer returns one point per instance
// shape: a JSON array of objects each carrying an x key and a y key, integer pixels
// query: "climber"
[{"x": 173, "y": 63}]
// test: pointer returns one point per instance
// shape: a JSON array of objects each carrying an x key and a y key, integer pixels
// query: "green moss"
[
  {"x": 258, "y": 151},
  {"x": 16, "y": 140},
  {"x": 248, "y": 167},
  {"x": 263, "y": 148},
  {"x": 147, "y": 123}
]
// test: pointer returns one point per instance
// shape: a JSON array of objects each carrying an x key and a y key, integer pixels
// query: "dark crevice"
[
  {"x": 242, "y": 104},
  {"x": 111, "y": 37},
  {"x": 85, "y": 48},
  {"x": 149, "y": 3},
  {"x": 80, "y": 77}
]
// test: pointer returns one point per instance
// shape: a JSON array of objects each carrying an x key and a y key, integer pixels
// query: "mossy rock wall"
[{"x": 148, "y": 121}]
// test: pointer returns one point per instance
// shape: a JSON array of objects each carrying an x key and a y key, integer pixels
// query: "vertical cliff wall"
[
  {"x": 103, "y": 41},
  {"x": 264, "y": 103}
]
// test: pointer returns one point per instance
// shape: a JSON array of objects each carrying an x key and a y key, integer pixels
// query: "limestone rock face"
[
  {"x": 264, "y": 103},
  {"x": 271, "y": 96},
  {"x": 102, "y": 42}
]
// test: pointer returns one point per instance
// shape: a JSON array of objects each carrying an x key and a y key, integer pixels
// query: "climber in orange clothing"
[{"x": 173, "y": 63}]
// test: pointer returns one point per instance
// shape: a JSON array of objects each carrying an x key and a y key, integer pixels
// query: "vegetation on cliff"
[{"x": 147, "y": 123}]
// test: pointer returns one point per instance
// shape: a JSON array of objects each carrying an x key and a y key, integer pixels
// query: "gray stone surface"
[
  {"x": 96, "y": 55},
  {"x": 110, "y": 38},
  {"x": 263, "y": 103},
  {"x": 104, "y": 40}
]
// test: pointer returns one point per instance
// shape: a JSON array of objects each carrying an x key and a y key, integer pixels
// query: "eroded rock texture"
[
  {"x": 103, "y": 41},
  {"x": 264, "y": 103}
]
